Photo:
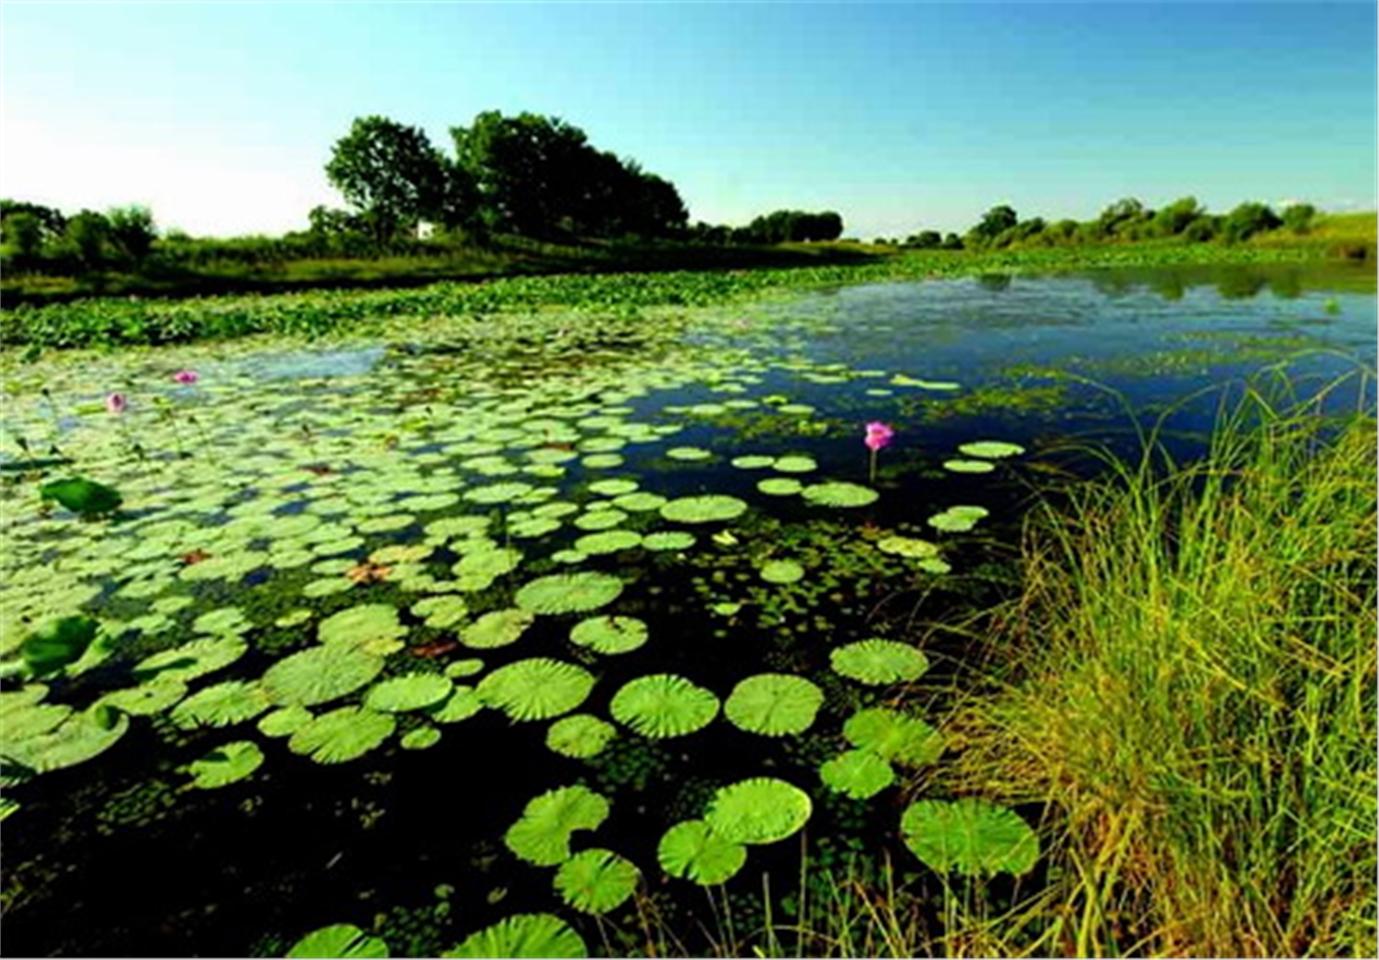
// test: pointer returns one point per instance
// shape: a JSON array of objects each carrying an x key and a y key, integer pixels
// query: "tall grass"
[{"x": 1193, "y": 697}]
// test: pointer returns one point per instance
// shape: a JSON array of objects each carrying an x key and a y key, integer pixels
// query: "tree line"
[{"x": 1127, "y": 220}]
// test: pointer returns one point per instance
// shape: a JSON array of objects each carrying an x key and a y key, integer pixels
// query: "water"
[{"x": 299, "y": 459}]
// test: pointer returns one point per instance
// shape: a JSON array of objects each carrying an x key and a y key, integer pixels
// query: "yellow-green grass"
[
  {"x": 1190, "y": 689},
  {"x": 1350, "y": 235}
]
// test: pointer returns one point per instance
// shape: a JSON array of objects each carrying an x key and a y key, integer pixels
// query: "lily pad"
[
  {"x": 879, "y": 661},
  {"x": 497, "y": 628},
  {"x": 596, "y": 881},
  {"x": 688, "y": 453},
  {"x": 411, "y": 691},
  {"x": 782, "y": 571},
  {"x": 957, "y": 519},
  {"x": 568, "y": 593},
  {"x": 663, "y": 705},
  {"x": 191, "y": 660},
  {"x": 969, "y": 836},
  {"x": 610, "y": 634},
  {"x": 57, "y": 644},
  {"x": 859, "y": 774},
  {"x": 609, "y": 541},
  {"x": 320, "y": 674},
  {"x": 968, "y": 466},
  {"x": 753, "y": 462},
  {"x": 759, "y": 810},
  {"x": 419, "y": 738},
  {"x": 225, "y": 765},
  {"x": 709, "y": 508},
  {"x": 536, "y": 689},
  {"x": 581, "y": 735},
  {"x": 363, "y": 626},
  {"x": 342, "y": 734},
  {"x": 990, "y": 449},
  {"x": 773, "y": 704},
  {"x": 88, "y": 498},
  {"x": 284, "y": 721},
  {"x": 795, "y": 463},
  {"x": 668, "y": 540},
  {"x": 911, "y": 547},
  {"x": 542, "y": 835},
  {"x": 692, "y": 851},
  {"x": 463, "y": 703},
  {"x": 221, "y": 705},
  {"x": 780, "y": 486},
  {"x": 523, "y": 935},
  {"x": 893, "y": 735},
  {"x": 341, "y": 940},
  {"x": 839, "y": 494}
]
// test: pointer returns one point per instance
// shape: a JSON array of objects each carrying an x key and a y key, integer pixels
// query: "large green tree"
[{"x": 394, "y": 177}]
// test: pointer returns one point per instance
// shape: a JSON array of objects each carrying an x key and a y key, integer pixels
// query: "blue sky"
[{"x": 901, "y": 116}]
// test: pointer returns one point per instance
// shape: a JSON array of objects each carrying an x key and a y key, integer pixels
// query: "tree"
[
  {"x": 394, "y": 177},
  {"x": 1247, "y": 219},
  {"x": 132, "y": 231},
  {"x": 925, "y": 240},
  {"x": 1297, "y": 217},
  {"x": 87, "y": 235},
  {"x": 22, "y": 237},
  {"x": 994, "y": 222},
  {"x": 1174, "y": 218}
]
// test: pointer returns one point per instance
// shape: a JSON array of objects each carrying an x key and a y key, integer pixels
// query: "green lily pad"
[
  {"x": 969, "y": 836},
  {"x": 911, "y": 547},
  {"x": 320, "y": 674},
  {"x": 463, "y": 703},
  {"x": 692, "y": 851},
  {"x": 859, "y": 774},
  {"x": 780, "y": 486},
  {"x": 668, "y": 540},
  {"x": 581, "y": 735},
  {"x": 523, "y": 935},
  {"x": 85, "y": 497},
  {"x": 782, "y": 571},
  {"x": 411, "y": 691},
  {"x": 221, "y": 705},
  {"x": 442, "y": 611},
  {"x": 894, "y": 736},
  {"x": 419, "y": 738},
  {"x": 753, "y": 462},
  {"x": 498, "y": 492},
  {"x": 710, "y": 508},
  {"x": 968, "y": 466},
  {"x": 610, "y": 634},
  {"x": 225, "y": 765},
  {"x": 284, "y": 721},
  {"x": 957, "y": 519},
  {"x": 773, "y": 704},
  {"x": 147, "y": 698},
  {"x": 990, "y": 449},
  {"x": 536, "y": 689},
  {"x": 542, "y": 835},
  {"x": 879, "y": 661},
  {"x": 795, "y": 463},
  {"x": 342, "y": 734},
  {"x": 497, "y": 628},
  {"x": 57, "y": 644},
  {"x": 609, "y": 541},
  {"x": 363, "y": 626},
  {"x": 759, "y": 810},
  {"x": 596, "y": 881},
  {"x": 663, "y": 705},
  {"x": 341, "y": 940},
  {"x": 839, "y": 494},
  {"x": 76, "y": 738},
  {"x": 568, "y": 593},
  {"x": 191, "y": 660}
]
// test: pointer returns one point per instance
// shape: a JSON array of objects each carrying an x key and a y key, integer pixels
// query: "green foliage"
[
  {"x": 85, "y": 497},
  {"x": 990, "y": 449},
  {"x": 893, "y": 735},
  {"x": 536, "y": 935},
  {"x": 610, "y": 634},
  {"x": 409, "y": 691},
  {"x": 708, "y": 508},
  {"x": 1298, "y": 217},
  {"x": 541, "y": 836},
  {"x": 221, "y": 705},
  {"x": 859, "y": 774},
  {"x": 497, "y": 628},
  {"x": 663, "y": 705},
  {"x": 694, "y": 852},
  {"x": 57, "y": 644},
  {"x": 340, "y": 940},
  {"x": 839, "y": 494},
  {"x": 582, "y": 735},
  {"x": 1247, "y": 219},
  {"x": 568, "y": 593},
  {"x": 342, "y": 734},
  {"x": 760, "y": 810},
  {"x": 782, "y": 571},
  {"x": 970, "y": 836},
  {"x": 226, "y": 765},
  {"x": 536, "y": 689},
  {"x": 320, "y": 674},
  {"x": 392, "y": 175},
  {"x": 773, "y": 704},
  {"x": 879, "y": 661},
  {"x": 596, "y": 881},
  {"x": 191, "y": 660}
]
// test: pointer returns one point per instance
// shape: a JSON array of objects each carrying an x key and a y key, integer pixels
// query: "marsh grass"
[{"x": 1190, "y": 689}]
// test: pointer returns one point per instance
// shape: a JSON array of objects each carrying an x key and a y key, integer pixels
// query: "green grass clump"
[{"x": 1194, "y": 698}]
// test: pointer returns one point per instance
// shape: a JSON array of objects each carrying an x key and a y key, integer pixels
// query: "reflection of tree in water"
[
  {"x": 995, "y": 282},
  {"x": 1241, "y": 286},
  {"x": 1286, "y": 285},
  {"x": 1169, "y": 285}
]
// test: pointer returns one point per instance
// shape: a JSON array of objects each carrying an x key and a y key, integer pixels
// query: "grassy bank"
[
  {"x": 1190, "y": 690},
  {"x": 114, "y": 321}
]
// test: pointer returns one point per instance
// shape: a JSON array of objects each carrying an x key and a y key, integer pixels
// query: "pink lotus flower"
[
  {"x": 116, "y": 403},
  {"x": 878, "y": 435},
  {"x": 185, "y": 376}
]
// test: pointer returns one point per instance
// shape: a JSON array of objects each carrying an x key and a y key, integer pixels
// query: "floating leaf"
[
  {"x": 782, "y": 571},
  {"x": 76, "y": 739},
  {"x": 191, "y": 660},
  {"x": 971, "y": 836},
  {"x": 536, "y": 689},
  {"x": 663, "y": 705},
  {"x": 668, "y": 540},
  {"x": 464, "y": 668},
  {"x": 488, "y": 565},
  {"x": 497, "y": 628},
  {"x": 320, "y": 674},
  {"x": 610, "y": 634},
  {"x": 463, "y": 703},
  {"x": 342, "y": 734},
  {"x": 710, "y": 508},
  {"x": 795, "y": 463},
  {"x": 441, "y": 612},
  {"x": 879, "y": 661},
  {"x": 859, "y": 774},
  {"x": 364, "y": 625},
  {"x": 542, "y": 834},
  {"x": 753, "y": 462},
  {"x": 498, "y": 492},
  {"x": 839, "y": 494},
  {"x": 613, "y": 486},
  {"x": 596, "y": 881},
  {"x": 957, "y": 519},
  {"x": 773, "y": 704},
  {"x": 692, "y": 851},
  {"x": 640, "y": 502},
  {"x": 147, "y": 698},
  {"x": 990, "y": 449},
  {"x": 688, "y": 453},
  {"x": 523, "y": 935},
  {"x": 780, "y": 486},
  {"x": 610, "y": 541},
  {"x": 420, "y": 738},
  {"x": 411, "y": 691},
  {"x": 759, "y": 810},
  {"x": 569, "y": 593},
  {"x": 284, "y": 721},
  {"x": 581, "y": 735},
  {"x": 342, "y": 940},
  {"x": 893, "y": 735},
  {"x": 221, "y": 705},
  {"x": 907, "y": 547},
  {"x": 225, "y": 765},
  {"x": 222, "y": 620},
  {"x": 968, "y": 466}
]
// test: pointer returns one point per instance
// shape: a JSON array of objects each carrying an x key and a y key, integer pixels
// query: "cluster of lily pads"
[{"x": 369, "y": 559}]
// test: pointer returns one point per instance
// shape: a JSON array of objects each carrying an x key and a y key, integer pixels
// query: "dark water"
[{"x": 111, "y": 858}]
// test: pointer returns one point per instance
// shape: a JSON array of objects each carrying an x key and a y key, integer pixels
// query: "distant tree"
[
  {"x": 994, "y": 222},
  {"x": 1120, "y": 216},
  {"x": 21, "y": 235},
  {"x": 925, "y": 240},
  {"x": 1174, "y": 218},
  {"x": 1298, "y": 217},
  {"x": 132, "y": 232},
  {"x": 952, "y": 241},
  {"x": 1247, "y": 219},
  {"x": 1060, "y": 232},
  {"x": 50, "y": 220},
  {"x": 1204, "y": 228},
  {"x": 87, "y": 235},
  {"x": 393, "y": 176},
  {"x": 329, "y": 221}
]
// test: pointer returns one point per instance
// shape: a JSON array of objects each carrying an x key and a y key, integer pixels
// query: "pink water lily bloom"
[
  {"x": 116, "y": 403},
  {"x": 878, "y": 435},
  {"x": 185, "y": 376}
]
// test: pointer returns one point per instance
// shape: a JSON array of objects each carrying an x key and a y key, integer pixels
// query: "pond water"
[{"x": 364, "y": 603}]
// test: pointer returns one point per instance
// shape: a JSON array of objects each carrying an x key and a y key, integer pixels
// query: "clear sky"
[{"x": 900, "y": 116}]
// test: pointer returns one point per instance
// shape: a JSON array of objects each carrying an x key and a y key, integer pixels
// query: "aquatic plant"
[
  {"x": 87, "y": 498},
  {"x": 536, "y": 689},
  {"x": 534, "y": 935},
  {"x": 708, "y": 508},
  {"x": 497, "y": 628},
  {"x": 320, "y": 674},
  {"x": 568, "y": 593},
  {"x": 970, "y": 836},
  {"x": 339, "y": 940},
  {"x": 596, "y": 881},
  {"x": 541, "y": 836},
  {"x": 773, "y": 704},
  {"x": 893, "y": 735},
  {"x": 343, "y": 734},
  {"x": 990, "y": 449},
  {"x": 221, "y": 705},
  {"x": 957, "y": 519},
  {"x": 839, "y": 494},
  {"x": 409, "y": 691},
  {"x": 225, "y": 765},
  {"x": 185, "y": 377},
  {"x": 610, "y": 634},
  {"x": 57, "y": 644},
  {"x": 879, "y": 661},
  {"x": 580, "y": 735},
  {"x": 663, "y": 705},
  {"x": 692, "y": 851},
  {"x": 759, "y": 810},
  {"x": 878, "y": 437},
  {"x": 782, "y": 571},
  {"x": 859, "y": 774}
]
